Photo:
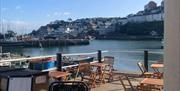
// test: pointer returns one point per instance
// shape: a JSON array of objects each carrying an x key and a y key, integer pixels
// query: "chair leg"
[
  {"x": 82, "y": 77},
  {"x": 94, "y": 79},
  {"x": 110, "y": 78}
]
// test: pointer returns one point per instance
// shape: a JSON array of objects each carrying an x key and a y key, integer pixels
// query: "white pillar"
[{"x": 172, "y": 45}]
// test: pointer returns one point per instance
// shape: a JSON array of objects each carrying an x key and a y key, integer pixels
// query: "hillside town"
[{"x": 90, "y": 28}]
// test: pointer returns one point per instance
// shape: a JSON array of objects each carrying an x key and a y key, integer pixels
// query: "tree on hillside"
[
  {"x": 10, "y": 33},
  {"x": 1, "y": 36}
]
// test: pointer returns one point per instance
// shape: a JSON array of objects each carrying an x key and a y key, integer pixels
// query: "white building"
[
  {"x": 146, "y": 18},
  {"x": 154, "y": 17},
  {"x": 123, "y": 21},
  {"x": 137, "y": 19}
]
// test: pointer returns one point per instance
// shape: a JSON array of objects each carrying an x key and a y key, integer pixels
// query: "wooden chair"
[
  {"x": 126, "y": 83},
  {"x": 109, "y": 60},
  {"x": 86, "y": 73},
  {"x": 109, "y": 68},
  {"x": 144, "y": 71},
  {"x": 149, "y": 88},
  {"x": 149, "y": 74}
]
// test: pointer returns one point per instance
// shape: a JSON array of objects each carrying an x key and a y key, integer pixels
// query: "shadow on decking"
[{"x": 116, "y": 84}]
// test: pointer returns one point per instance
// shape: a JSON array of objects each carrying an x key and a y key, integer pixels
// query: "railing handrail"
[
  {"x": 39, "y": 57},
  {"x": 64, "y": 67},
  {"x": 72, "y": 54},
  {"x": 8, "y": 53},
  {"x": 137, "y": 51}
]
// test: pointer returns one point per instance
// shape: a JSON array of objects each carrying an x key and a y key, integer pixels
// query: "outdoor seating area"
[
  {"x": 97, "y": 75},
  {"x": 102, "y": 76}
]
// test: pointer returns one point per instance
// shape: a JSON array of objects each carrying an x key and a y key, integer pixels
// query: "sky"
[{"x": 25, "y": 15}]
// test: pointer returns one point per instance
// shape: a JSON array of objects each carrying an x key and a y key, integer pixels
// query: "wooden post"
[
  {"x": 146, "y": 59},
  {"x": 59, "y": 61},
  {"x": 99, "y": 56}
]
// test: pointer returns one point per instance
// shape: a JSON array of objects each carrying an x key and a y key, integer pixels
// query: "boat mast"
[{"x": 0, "y": 49}]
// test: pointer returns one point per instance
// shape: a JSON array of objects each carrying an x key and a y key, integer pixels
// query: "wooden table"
[
  {"x": 152, "y": 81},
  {"x": 99, "y": 70},
  {"x": 157, "y": 66},
  {"x": 59, "y": 75}
]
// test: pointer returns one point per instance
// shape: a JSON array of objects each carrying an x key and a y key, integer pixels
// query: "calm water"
[{"x": 124, "y": 61}]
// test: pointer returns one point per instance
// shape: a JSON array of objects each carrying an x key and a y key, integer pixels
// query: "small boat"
[
  {"x": 42, "y": 64},
  {"x": 84, "y": 59},
  {"x": 78, "y": 60},
  {"x": 46, "y": 63}
]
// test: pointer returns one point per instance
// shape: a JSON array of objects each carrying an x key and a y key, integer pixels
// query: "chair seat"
[
  {"x": 158, "y": 75},
  {"x": 148, "y": 73},
  {"x": 151, "y": 74},
  {"x": 87, "y": 77},
  {"x": 106, "y": 72}
]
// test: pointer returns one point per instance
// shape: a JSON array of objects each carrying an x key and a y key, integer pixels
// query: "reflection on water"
[{"x": 124, "y": 61}]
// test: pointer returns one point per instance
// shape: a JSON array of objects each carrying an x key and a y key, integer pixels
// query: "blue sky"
[{"x": 34, "y": 13}]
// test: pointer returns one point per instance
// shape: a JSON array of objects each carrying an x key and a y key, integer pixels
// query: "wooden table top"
[
  {"x": 99, "y": 64},
  {"x": 58, "y": 74},
  {"x": 157, "y": 65},
  {"x": 152, "y": 81}
]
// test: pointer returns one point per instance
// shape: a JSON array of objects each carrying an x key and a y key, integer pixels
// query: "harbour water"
[{"x": 126, "y": 53}]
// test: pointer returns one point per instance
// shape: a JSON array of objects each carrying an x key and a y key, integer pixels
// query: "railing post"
[
  {"x": 0, "y": 49},
  {"x": 59, "y": 61},
  {"x": 99, "y": 56},
  {"x": 146, "y": 59}
]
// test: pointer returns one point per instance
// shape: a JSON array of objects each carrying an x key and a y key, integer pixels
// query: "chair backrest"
[
  {"x": 109, "y": 60},
  {"x": 84, "y": 68},
  {"x": 141, "y": 67},
  {"x": 126, "y": 83},
  {"x": 69, "y": 86}
]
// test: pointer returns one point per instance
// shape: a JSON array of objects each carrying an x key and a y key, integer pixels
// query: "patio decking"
[{"x": 116, "y": 84}]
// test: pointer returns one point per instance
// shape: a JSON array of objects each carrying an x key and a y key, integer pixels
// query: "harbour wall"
[{"x": 45, "y": 43}]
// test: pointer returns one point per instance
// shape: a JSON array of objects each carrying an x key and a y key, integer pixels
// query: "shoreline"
[
  {"x": 45, "y": 43},
  {"x": 141, "y": 38}
]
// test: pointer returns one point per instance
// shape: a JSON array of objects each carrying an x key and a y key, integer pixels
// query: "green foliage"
[
  {"x": 140, "y": 29},
  {"x": 1, "y": 36},
  {"x": 10, "y": 33}
]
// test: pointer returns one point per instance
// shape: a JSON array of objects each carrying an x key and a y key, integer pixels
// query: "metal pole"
[
  {"x": 99, "y": 56},
  {"x": 59, "y": 61},
  {"x": 146, "y": 59},
  {"x": 0, "y": 49}
]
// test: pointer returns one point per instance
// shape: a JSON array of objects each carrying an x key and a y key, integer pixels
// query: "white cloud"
[
  {"x": 48, "y": 15},
  {"x": 66, "y": 13},
  {"x": 4, "y": 9},
  {"x": 58, "y": 14},
  {"x": 21, "y": 27},
  {"x": 4, "y": 20},
  {"x": 18, "y": 7}
]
